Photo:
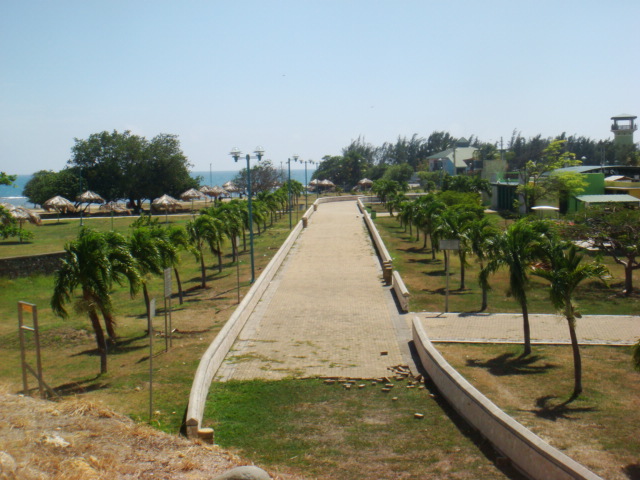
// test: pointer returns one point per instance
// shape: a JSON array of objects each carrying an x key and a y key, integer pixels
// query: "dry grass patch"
[{"x": 599, "y": 429}]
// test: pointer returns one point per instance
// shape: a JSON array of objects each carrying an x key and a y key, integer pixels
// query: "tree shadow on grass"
[
  {"x": 549, "y": 409},
  {"x": 83, "y": 386},
  {"x": 510, "y": 364},
  {"x": 119, "y": 347},
  {"x": 632, "y": 471}
]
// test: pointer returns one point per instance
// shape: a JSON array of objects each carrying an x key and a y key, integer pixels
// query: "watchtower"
[{"x": 623, "y": 127}]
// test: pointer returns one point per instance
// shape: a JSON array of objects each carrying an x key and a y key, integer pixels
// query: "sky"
[{"x": 307, "y": 77}]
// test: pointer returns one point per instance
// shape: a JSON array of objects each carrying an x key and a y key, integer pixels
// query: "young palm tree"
[
  {"x": 517, "y": 249},
  {"x": 455, "y": 224},
  {"x": 204, "y": 230},
  {"x": 93, "y": 262},
  {"x": 180, "y": 240},
  {"x": 428, "y": 212},
  {"x": 144, "y": 245},
  {"x": 565, "y": 271},
  {"x": 481, "y": 236}
]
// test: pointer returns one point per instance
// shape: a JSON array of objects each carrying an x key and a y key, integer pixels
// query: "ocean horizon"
[{"x": 13, "y": 194}]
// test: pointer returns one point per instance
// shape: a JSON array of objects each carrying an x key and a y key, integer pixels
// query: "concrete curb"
[{"x": 528, "y": 452}]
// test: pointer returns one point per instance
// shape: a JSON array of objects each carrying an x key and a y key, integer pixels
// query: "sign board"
[
  {"x": 152, "y": 307},
  {"x": 449, "y": 244},
  {"x": 167, "y": 282}
]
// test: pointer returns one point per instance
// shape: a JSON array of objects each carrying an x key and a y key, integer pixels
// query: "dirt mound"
[{"x": 81, "y": 440}]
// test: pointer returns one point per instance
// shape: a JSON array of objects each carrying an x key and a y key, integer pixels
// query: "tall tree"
[
  {"x": 534, "y": 175},
  {"x": 92, "y": 263},
  {"x": 565, "y": 271},
  {"x": 616, "y": 232},
  {"x": 517, "y": 249},
  {"x": 125, "y": 166}
]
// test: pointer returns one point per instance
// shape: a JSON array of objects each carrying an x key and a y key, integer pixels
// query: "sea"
[{"x": 13, "y": 193}]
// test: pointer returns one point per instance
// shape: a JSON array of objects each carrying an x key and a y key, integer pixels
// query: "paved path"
[{"x": 326, "y": 313}]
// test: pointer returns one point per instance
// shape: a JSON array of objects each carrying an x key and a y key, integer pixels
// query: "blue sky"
[{"x": 307, "y": 77}]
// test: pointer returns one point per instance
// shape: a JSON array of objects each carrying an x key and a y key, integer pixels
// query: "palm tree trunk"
[
  {"x": 219, "y": 253},
  {"x": 203, "y": 271},
  {"x": 433, "y": 248},
  {"x": 175, "y": 270},
  {"x": 577, "y": 361},
  {"x": 109, "y": 323},
  {"x": 147, "y": 300},
  {"x": 461, "y": 256},
  {"x": 628, "y": 278},
  {"x": 99, "y": 333},
  {"x": 485, "y": 289},
  {"x": 526, "y": 327}
]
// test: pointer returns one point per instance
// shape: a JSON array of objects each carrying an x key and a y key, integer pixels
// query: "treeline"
[
  {"x": 117, "y": 166},
  {"x": 399, "y": 160}
]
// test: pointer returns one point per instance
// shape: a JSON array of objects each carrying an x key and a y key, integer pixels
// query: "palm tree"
[
  {"x": 427, "y": 216},
  {"x": 93, "y": 262},
  {"x": 144, "y": 246},
  {"x": 180, "y": 240},
  {"x": 516, "y": 249},
  {"x": 455, "y": 223},
  {"x": 565, "y": 271},
  {"x": 204, "y": 230},
  {"x": 481, "y": 236}
]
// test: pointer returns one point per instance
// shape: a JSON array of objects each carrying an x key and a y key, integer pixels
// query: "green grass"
[
  {"x": 70, "y": 362},
  {"x": 425, "y": 279},
  {"x": 326, "y": 431}
]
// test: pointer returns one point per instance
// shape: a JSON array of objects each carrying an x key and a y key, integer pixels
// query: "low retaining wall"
[
  {"x": 527, "y": 452},
  {"x": 401, "y": 291},
  {"x": 385, "y": 257},
  {"x": 14, "y": 267}
]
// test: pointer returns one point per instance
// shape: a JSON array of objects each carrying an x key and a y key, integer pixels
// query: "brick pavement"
[{"x": 326, "y": 313}]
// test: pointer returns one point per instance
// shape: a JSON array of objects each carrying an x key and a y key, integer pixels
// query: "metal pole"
[
  {"x": 248, "y": 157},
  {"x": 446, "y": 298},
  {"x": 150, "y": 327},
  {"x": 289, "y": 166},
  {"x": 306, "y": 192}
]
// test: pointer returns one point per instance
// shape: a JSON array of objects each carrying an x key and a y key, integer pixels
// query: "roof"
[
  {"x": 616, "y": 178},
  {"x": 461, "y": 154},
  {"x": 623, "y": 116},
  {"x": 617, "y": 198}
]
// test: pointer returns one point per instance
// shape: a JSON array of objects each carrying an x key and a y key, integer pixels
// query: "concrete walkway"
[{"x": 326, "y": 313}]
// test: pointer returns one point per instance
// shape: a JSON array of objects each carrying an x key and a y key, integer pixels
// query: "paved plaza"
[{"x": 328, "y": 313}]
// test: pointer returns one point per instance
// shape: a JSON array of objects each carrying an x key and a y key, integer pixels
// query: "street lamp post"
[
  {"x": 235, "y": 153},
  {"x": 306, "y": 189}
]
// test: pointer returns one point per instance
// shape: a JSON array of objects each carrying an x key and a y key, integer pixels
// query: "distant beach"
[{"x": 13, "y": 193}]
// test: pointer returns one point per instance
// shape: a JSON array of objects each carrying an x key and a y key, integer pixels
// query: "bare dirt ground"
[{"x": 81, "y": 440}]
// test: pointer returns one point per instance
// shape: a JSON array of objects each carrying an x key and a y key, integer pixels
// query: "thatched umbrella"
[
  {"x": 365, "y": 183},
  {"x": 59, "y": 204},
  {"x": 328, "y": 184},
  {"x": 191, "y": 194},
  {"x": 217, "y": 191},
  {"x": 166, "y": 203},
  {"x": 21, "y": 214},
  {"x": 89, "y": 197},
  {"x": 230, "y": 187}
]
